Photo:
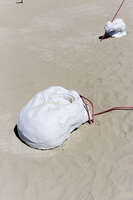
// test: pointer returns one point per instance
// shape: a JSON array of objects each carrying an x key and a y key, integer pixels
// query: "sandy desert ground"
[{"x": 55, "y": 42}]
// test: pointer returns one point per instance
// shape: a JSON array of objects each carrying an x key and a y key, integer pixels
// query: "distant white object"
[
  {"x": 115, "y": 29},
  {"x": 47, "y": 120}
]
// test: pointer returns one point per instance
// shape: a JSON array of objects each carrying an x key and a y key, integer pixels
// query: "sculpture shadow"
[
  {"x": 107, "y": 35},
  {"x": 17, "y": 135}
]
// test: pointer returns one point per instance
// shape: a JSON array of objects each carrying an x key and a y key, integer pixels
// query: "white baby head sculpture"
[{"x": 48, "y": 119}]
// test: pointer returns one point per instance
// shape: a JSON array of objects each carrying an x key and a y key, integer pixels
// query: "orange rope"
[
  {"x": 100, "y": 113},
  {"x": 118, "y": 10},
  {"x": 86, "y": 107}
]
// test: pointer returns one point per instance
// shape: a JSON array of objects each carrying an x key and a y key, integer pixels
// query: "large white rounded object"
[
  {"x": 116, "y": 29},
  {"x": 47, "y": 120}
]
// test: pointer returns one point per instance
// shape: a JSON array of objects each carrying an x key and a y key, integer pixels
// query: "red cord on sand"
[
  {"x": 86, "y": 107},
  {"x": 100, "y": 113},
  {"x": 114, "y": 17},
  {"x": 118, "y": 10}
]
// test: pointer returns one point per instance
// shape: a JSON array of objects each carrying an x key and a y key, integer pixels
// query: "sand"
[{"x": 50, "y": 42}]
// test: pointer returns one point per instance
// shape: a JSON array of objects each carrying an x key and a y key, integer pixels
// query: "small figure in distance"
[{"x": 19, "y": 1}]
